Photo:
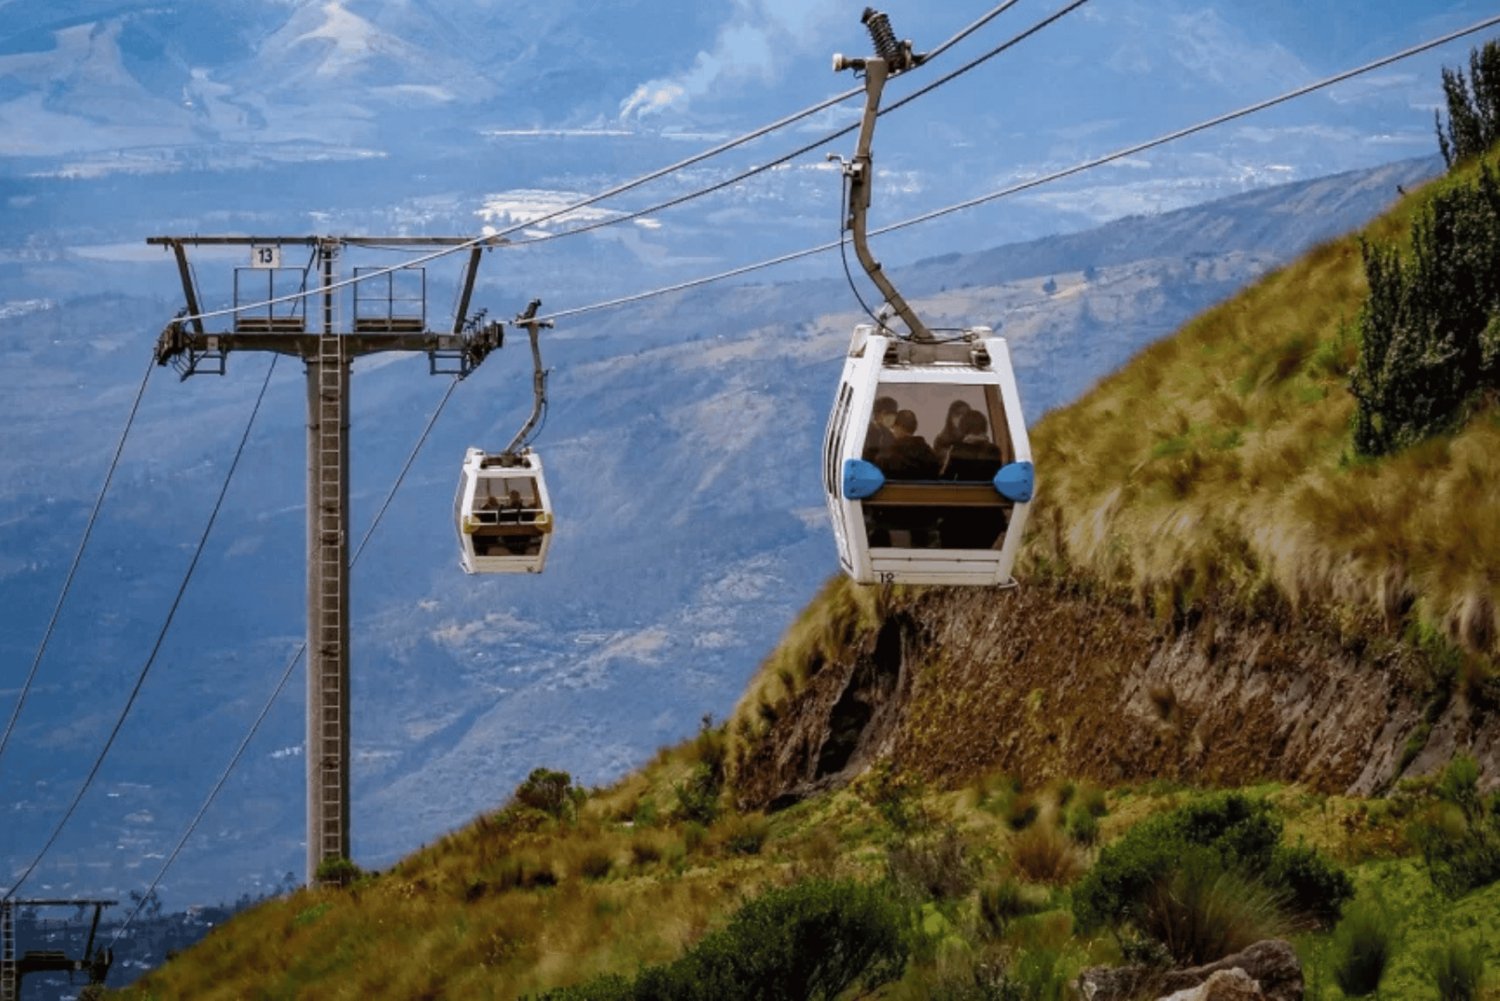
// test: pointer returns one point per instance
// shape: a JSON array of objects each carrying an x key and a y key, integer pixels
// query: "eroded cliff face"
[{"x": 1044, "y": 681}]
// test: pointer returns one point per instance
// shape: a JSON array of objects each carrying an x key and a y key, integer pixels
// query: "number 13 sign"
[{"x": 265, "y": 255}]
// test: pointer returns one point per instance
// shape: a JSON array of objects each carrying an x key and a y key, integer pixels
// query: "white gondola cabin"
[
  {"x": 927, "y": 466},
  {"x": 503, "y": 512}
]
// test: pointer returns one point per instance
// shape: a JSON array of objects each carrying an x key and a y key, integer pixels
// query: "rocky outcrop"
[
  {"x": 1268, "y": 971},
  {"x": 844, "y": 719},
  {"x": 1048, "y": 680},
  {"x": 1226, "y": 985}
]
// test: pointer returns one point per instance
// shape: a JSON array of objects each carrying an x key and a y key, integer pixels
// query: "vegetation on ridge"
[
  {"x": 950, "y": 895},
  {"x": 1246, "y": 482}
]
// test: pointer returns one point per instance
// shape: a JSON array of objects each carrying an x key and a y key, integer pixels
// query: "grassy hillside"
[
  {"x": 985, "y": 876},
  {"x": 1220, "y": 461},
  {"x": 1214, "y": 470}
]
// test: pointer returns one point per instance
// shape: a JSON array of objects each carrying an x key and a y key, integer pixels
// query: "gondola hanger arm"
[
  {"x": 534, "y": 327},
  {"x": 891, "y": 58}
]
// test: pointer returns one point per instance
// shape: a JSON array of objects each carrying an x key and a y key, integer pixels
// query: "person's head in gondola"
[
  {"x": 905, "y": 425},
  {"x": 884, "y": 411}
]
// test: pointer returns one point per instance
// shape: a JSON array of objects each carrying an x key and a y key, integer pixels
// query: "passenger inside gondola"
[
  {"x": 909, "y": 457},
  {"x": 973, "y": 457},
  {"x": 951, "y": 435},
  {"x": 969, "y": 448},
  {"x": 506, "y": 517},
  {"x": 879, "y": 437}
]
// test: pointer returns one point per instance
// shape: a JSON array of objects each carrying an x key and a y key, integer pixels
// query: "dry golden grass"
[
  {"x": 1220, "y": 461},
  {"x": 825, "y": 630},
  {"x": 1042, "y": 853}
]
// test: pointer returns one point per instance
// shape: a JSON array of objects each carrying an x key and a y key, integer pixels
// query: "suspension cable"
[
  {"x": 1183, "y": 133},
  {"x": 966, "y": 32},
  {"x": 286, "y": 674},
  {"x": 161, "y": 636},
  {"x": 611, "y": 192},
  {"x": 88, "y": 530},
  {"x": 1041, "y": 180},
  {"x": 820, "y": 141}
]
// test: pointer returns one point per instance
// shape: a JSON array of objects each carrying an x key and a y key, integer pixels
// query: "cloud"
[
  {"x": 652, "y": 98},
  {"x": 758, "y": 37}
]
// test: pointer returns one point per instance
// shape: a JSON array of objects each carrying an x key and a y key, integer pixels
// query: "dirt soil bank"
[{"x": 1043, "y": 681}]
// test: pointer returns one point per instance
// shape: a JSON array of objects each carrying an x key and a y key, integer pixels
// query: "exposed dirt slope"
[{"x": 1045, "y": 681}]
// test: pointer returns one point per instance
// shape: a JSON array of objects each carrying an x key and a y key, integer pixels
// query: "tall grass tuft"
[
  {"x": 1362, "y": 947},
  {"x": 938, "y": 866},
  {"x": 1001, "y": 902},
  {"x": 1201, "y": 913},
  {"x": 1043, "y": 854},
  {"x": 1457, "y": 969}
]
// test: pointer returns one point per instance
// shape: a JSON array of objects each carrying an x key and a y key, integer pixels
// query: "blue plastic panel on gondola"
[
  {"x": 861, "y": 479},
  {"x": 1015, "y": 481}
]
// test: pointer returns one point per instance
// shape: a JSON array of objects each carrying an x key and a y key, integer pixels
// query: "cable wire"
[
  {"x": 816, "y": 143},
  {"x": 929, "y": 56},
  {"x": 630, "y": 185},
  {"x": 161, "y": 636},
  {"x": 1249, "y": 109},
  {"x": 1037, "y": 181},
  {"x": 286, "y": 675},
  {"x": 583, "y": 203},
  {"x": 88, "y": 531}
]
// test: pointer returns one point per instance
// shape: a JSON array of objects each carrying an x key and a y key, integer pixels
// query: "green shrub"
[
  {"x": 698, "y": 796},
  {"x": 337, "y": 871},
  {"x": 645, "y": 813},
  {"x": 1473, "y": 106},
  {"x": 1082, "y": 825},
  {"x": 1314, "y": 889},
  {"x": 1362, "y": 947},
  {"x": 1223, "y": 833},
  {"x": 1042, "y": 973},
  {"x": 1460, "y": 839},
  {"x": 1429, "y": 342},
  {"x": 1457, "y": 969},
  {"x": 549, "y": 792},
  {"x": 813, "y": 940}
]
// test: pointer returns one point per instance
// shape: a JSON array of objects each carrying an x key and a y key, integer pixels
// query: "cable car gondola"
[
  {"x": 912, "y": 509},
  {"x": 504, "y": 513},
  {"x": 502, "y": 508},
  {"x": 926, "y": 463}
]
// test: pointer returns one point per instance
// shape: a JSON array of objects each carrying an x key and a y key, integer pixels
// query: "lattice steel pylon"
[
  {"x": 8, "y": 979},
  {"x": 13, "y": 970},
  {"x": 262, "y": 323}
]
